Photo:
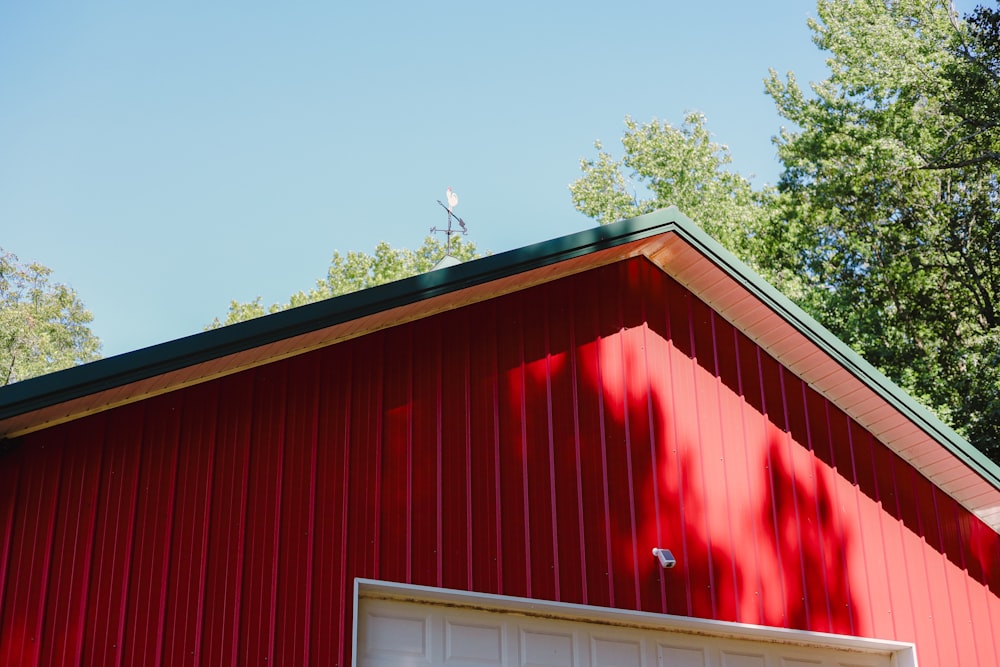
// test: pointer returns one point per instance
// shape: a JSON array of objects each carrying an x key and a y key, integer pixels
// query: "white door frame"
[{"x": 902, "y": 654}]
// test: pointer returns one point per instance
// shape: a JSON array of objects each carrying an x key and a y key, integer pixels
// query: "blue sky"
[{"x": 165, "y": 158}]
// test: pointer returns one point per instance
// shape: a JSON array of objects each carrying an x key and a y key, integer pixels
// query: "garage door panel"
[
  {"x": 792, "y": 662},
  {"x": 606, "y": 652},
  {"x": 398, "y": 635},
  {"x": 474, "y": 644},
  {"x": 680, "y": 656},
  {"x": 546, "y": 649},
  {"x": 742, "y": 660}
]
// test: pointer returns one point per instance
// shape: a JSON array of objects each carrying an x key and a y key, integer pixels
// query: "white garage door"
[{"x": 399, "y": 631}]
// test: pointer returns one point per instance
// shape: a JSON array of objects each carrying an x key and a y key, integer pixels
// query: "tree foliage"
[
  {"x": 43, "y": 325},
  {"x": 888, "y": 168},
  {"x": 974, "y": 77},
  {"x": 356, "y": 271},
  {"x": 885, "y": 222},
  {"x": 681, "y": 166}
]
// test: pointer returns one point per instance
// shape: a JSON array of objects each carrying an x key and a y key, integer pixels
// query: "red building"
[{"x": 473, "y": 466}]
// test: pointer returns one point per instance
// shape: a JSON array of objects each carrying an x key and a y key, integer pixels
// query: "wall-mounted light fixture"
[{"x": 665, "y": 557}]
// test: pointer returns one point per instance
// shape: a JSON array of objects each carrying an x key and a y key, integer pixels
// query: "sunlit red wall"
[{"x": 540, "y": 444}]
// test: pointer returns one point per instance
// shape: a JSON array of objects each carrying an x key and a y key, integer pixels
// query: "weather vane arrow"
[{"x": 452, "y": 198}]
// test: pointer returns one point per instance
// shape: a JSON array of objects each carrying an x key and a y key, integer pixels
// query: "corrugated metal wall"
[{"x": 538, "y": 445}]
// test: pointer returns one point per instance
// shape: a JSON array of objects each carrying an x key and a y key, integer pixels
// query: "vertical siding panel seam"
[
  {"x": 135, "y": 586},
  {"x": 901, "y": 533},
  {"x": 48, "y": 589},
  {"x": 497, "y": 488},
  {"x": 944, "y": 565},
  {"x": 922, "y": 531},
  {"x": 701, "y": 456},
  {"x": 467, "y": 413},
  {"x": 522, "y": 362},
  {"x": 311, "y": 522},
  {"x": 992, "y": 594},
  {"x": 626, "y": 420},
  {"x": 881, "y": 531},
  {"x": 964, "y": 566},
  {"x": 989, "y": 614},
  {"x": 180, "y": 523},
  {"x": 578, "y": 463},
  {"x": 673, "y": 374},
  {"x": 839, "y": 529},
  {"x": 860, "y": 528},
  {"x": 644, "y": 291},
  {"x": 604, "y": 468},
  {"x": 725, "y": 461},
  {"x": 8, "y": 534},
  {"x": 192, "y": 442},
  {"x": 165, "y": 577},
  {"x": 130, "y": 546},
  {"x": 19, "y": 578},
  {"x": 378, "y": 415},
  {"x": 173, "y": 619},
  {"x": 793, "y": 483},
  {"x": 258, "y": 514},
  {"x": 278, "y": 475},
  {"x": 770, "y": 482},
  {"x": 23, "y": 572},
  {"x": 409, "y": 461},
  {"x": 554, "y": 518},
  {"x": 80, "y": 612},
  {"x": 653, "y": 444},
  {"x": 344, "y": 508},
  {"x": 744, "y": 407},
  {"x": 249, "y": 584},
  {"x": 820, "y": 528},
  {"x": 241, "y": 537},
  {"x": 439, "y": 464},
  {"x": 59, "y": 545},
  {"x": 16, "y": 576},
  {"x": 46, "y": 567},
  {"x": 982, "y": 586},
  {"x": 206, "y": 530},
  {"x": 979, "y": 531}
]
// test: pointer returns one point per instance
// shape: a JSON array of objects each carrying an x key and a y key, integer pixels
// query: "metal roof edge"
[
  {"x": 838, "y": 350},
  {"x": 51, "y": 389},
  {"x": 78, "y": 381}
]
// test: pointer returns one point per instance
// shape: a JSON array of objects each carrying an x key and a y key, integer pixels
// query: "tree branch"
[{"x": 985, "y": 158}]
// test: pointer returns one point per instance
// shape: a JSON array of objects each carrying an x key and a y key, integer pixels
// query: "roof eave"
[
  {"x": 666, "y": 237},
  {"x": 120, "y": 370}
]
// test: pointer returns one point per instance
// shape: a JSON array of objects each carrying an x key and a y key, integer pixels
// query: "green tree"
[
  {"x": 974, "y": 77},
  {"x": 356, "y": 271},
  {"x": 889, "y": 174},
  {"x": 885, "y": 222},
  {"x": 43, "y": 325},
  {"x": 681, "y": 166}
]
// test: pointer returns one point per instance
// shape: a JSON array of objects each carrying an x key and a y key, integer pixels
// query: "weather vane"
[{"x": 448, "y": 231}]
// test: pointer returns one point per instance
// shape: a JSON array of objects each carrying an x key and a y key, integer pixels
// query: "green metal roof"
[
  {"x": 53, "y": 388},
  {"x": 651, "y": 233}
]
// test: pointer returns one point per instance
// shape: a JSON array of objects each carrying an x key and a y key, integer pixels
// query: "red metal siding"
[{"x": 539, "y": 444}]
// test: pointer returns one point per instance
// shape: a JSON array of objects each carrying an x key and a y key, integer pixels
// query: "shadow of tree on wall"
[
  {"x": 536, "y": 444},
  {"x": 805, "y": 539},
  {"x": 688, "y": 435},
  {"x": 663, "y": 452}
]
